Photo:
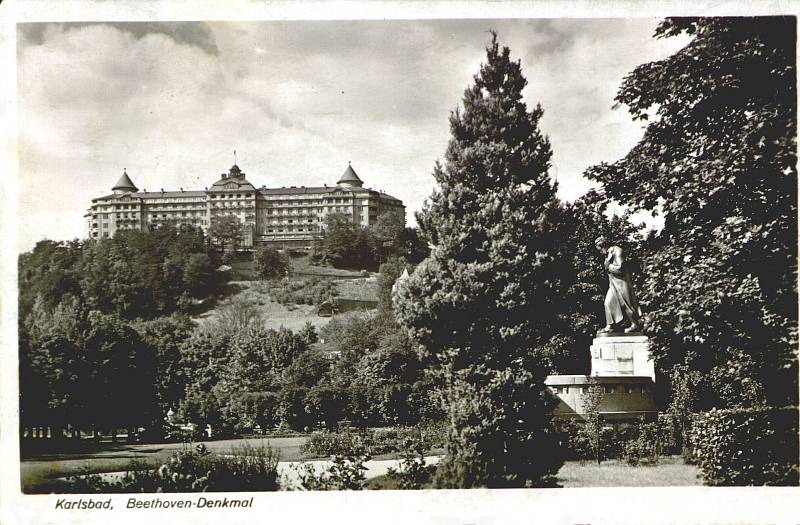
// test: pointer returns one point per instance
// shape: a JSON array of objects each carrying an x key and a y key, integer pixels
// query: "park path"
[{"x": 290, "y": 479}]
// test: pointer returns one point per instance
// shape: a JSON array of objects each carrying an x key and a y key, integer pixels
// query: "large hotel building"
[{"x": 290, "y": 217}]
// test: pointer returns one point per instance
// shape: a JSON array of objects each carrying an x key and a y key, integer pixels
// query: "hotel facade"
[{"x": 289, "y": 217}]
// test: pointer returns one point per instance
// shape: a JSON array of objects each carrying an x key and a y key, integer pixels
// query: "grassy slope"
[
  {"x": 350, "y": 285},
  {"x": 275, "y": 314}
]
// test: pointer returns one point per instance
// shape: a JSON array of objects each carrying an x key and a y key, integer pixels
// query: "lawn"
[
  {"x": 669, "y": 472},
  {"x": 40, "y": 474}
]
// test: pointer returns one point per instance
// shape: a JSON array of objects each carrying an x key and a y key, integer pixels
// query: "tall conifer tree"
[{"x": 481, "y": 306}]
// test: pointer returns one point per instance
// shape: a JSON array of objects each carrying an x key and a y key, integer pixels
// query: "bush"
[
  {"x": 346, "y": 473},
  {"x": 245, "y": 469},
  {"x": 270, "y": 263},
  {"x": 374, "y": 442},
  {"x": 413, "y": 473},
  {"x": 311, "y": 291},
  {"x": 650, "y": 442},
  {"x": 577, "y": 442},
  {"x": 747, "y": 446}
]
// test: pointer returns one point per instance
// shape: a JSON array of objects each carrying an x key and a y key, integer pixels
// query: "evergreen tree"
[{"x": 481, "y": 306}]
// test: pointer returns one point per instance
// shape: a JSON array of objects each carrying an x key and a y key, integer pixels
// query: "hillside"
[{"x": 293, "y": 301}]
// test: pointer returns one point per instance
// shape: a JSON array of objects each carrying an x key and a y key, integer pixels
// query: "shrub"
[
  {"x": 326, "y": 443},
  {"x": 270, "y": 263},
  {"x": 374, "y": 442},
  {"x": 647, "y": 445},
  {"x": 413, "y": 473},
  {"x": 747, "y": 446},
  {"x": 310, "y": 291},
  {"x": 347, "y": 472},
  {"x": 193, "y": 470}
]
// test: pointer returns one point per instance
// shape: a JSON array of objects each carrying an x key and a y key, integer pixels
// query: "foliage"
[
  {"x": 413, "y": 473},
  {"x": 309, "y": 333},
  {"x": 387, "y": 276},
  {"x": 310, "y": 291},
  {"x": 682, "y": 405},
  {"x": 648, "y": 445},
  {"x": 199, "y": 275},
  {"x": 345, "y": 473},
  {"x": 470, "y": 305},
  {"x": 235, "y": 317},
  {"x": 244, "y": 469},
  {"x": 271, "y": 263},
  {"x": 374, "y": 441},
  {"x": 227, "y": 232},
  {"x": 592, "y": 428},
  {"x": 166, "y": 336},
  {"x": 718, "y": 162},
  {"x": 135, "y": 274},
  {"x": 747, "y": 446},
  {"x": 326, "y": 443},
  {"x": 344, "y": 243}
]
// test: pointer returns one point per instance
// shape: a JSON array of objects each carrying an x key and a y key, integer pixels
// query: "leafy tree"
[
  {"x": 592, "y": 428},
  {"x": 120, "y": 391},
  {"x": 386, "y": 235},
  {"x": 235, "y": 317},
  {"x": 352, "y": 336},
  {"x": 718, "y": 162},
  {"x": 270, "y": 263},
  {"x": 203, "y": 357},
  {"x": 227, "y": 232},
  {"x": 412, "y": 246},
  {"x": 387, "y": 275},
  {"x": 325, "y": 404},
  {"x": 166, "y": 336},
  {"x": 291, "y": 407},
  {"x": 344, "y": 243},
  {"x": 259, "y": 357},
  {"x": 199, "y": 275},
  {"x": 309, "y": 333},
  {"x": 482, "y": 305},
  {"x": 49, "y": 271},
  {"x": 309, "y": 368}
]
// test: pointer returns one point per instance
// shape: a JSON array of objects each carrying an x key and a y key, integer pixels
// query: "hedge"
[{"x": 755, "y": 446}]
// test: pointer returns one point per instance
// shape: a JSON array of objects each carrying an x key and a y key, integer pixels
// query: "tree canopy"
[{"x": 718, "y": 162}]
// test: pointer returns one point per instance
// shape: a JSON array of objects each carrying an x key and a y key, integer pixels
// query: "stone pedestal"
[{"x": 622, "y": 355}]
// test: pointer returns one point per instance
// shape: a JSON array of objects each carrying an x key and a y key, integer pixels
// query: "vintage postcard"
[{"x": 363, "y": 262}]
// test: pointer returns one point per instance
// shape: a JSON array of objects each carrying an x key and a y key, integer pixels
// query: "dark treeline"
[{"x": 100, "y": 322}]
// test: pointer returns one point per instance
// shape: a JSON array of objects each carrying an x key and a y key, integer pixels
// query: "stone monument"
[{"x": 620, "y": 354}]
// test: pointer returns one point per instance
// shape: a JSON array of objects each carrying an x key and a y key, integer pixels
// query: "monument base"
[
  {"x": 622, "y": 354},
  {"x": 624, "y": 398}
]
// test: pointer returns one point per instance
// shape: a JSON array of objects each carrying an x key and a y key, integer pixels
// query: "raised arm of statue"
[{"x": 616, "y": 260}]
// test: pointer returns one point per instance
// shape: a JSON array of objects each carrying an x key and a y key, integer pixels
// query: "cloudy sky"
[{"x": 297, "y": 101}]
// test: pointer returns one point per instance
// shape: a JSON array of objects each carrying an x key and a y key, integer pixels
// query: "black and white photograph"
[{"x": 401, "y": 253}]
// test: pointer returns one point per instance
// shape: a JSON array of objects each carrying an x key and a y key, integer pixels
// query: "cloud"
[
  {"x": 297, "y": 100},
  {"x": 192, "y": 33}
]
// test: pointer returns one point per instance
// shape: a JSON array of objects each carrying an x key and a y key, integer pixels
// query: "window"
[{"x": 609, "y": 389}]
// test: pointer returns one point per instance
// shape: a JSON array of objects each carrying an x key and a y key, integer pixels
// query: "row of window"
[{"x": 608, "y": 389}]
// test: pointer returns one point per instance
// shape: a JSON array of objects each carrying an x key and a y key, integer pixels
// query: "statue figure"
[{"x": 620, "y": 304}]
